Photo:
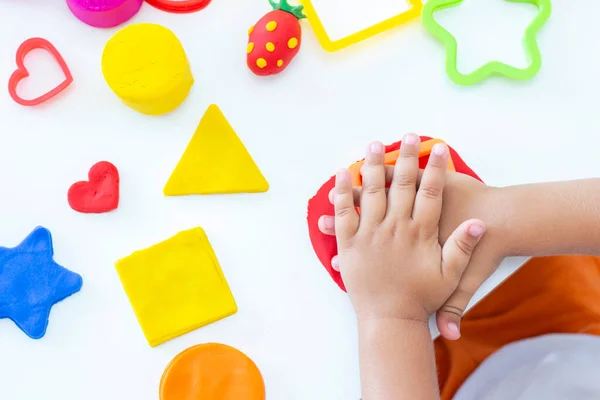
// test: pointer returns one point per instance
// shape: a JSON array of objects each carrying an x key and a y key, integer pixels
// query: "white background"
[{"x": 300, "y": 127}]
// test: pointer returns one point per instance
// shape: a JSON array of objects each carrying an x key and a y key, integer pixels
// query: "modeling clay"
[
  {"x": 215, "y": 162},
  {"x": 391, "y": 157},
  {"x": 146, "y": 66},
  {"x": 22, "y": 73},
  {"x": 212, "y": 371},
  {"x": 104, "y": 13},
  {"x": 31, "y": 283},
  {"x": 367, "y": 33},
  {"x": 176, "y": 286},
  {"x": 494, "y": 67},
  {"x": 98, "y": 195},
  {"x": 179, "y": 6},
  {"x": 325, "y": 246},
  {"x": 275, "y": 39}
]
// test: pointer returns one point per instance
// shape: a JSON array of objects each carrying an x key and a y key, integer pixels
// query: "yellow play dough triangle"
[{"x": 215, "y": 161}]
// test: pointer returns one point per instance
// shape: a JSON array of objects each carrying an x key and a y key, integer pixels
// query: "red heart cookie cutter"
[
  {"x": 21, "y": 73},
  {"x": 98, "y": 195},
  {"x": 179, "y": 7}
]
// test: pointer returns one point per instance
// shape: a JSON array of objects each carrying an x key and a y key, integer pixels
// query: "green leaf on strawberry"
[{"x": 283, "y": 5}]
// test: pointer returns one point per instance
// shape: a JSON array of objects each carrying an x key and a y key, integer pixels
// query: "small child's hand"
[{"x": 389, "y": 256}]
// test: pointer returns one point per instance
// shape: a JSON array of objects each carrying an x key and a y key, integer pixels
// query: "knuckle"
[
  {"x": 409, "y": 232},
  {"x": 337, "y": 196},
  {"x": 430, "y": 191},
  {"x": 407, "y": 154},
  {"x": 373, "y": 189},
  {"x": 341, "y": 195},
  {"x": 428, "y": 232},
  {"x": 403, "y": 181},
  {"x": 342, "y": 212},
  {"x": 450, "y": 309},
  {"x": 465, "y": 247}
]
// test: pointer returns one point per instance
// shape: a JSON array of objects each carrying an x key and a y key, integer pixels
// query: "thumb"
[
  {"x": 456, "y": 255},
  {"x": 459, "y": 247},
  {"x": 449, "y": 316}
]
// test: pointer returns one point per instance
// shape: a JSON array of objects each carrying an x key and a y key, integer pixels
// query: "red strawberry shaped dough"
[{"x": 275, "y": 39}]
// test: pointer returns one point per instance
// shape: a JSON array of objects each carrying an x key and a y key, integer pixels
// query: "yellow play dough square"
[
  {"x": 176, "y": 286},
  {"x": 215, "y": 162}
]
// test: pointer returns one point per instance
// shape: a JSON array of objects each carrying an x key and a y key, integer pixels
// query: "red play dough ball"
[{"x": 325, "y": 246}]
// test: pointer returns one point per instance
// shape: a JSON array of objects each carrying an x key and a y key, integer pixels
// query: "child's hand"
[
  {"x": 463, "y": 198},
  {"x": 389, "y": 256}
]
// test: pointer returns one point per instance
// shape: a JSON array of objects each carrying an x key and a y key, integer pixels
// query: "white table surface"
[{"x": 300, "y": 127}]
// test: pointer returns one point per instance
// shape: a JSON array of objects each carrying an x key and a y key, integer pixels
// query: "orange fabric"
[
  {"x": 391, "y": 157},
  {"x": 212, "y": 372},
  {"x": 547, "y": 295}
]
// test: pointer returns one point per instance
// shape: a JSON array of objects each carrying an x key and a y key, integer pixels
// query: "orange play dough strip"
[
  {"x": 212, "y": 371},
  {"x": 391, "y": 158}
]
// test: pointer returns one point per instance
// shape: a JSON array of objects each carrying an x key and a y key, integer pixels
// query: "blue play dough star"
[{"x": 31, "y": 283}]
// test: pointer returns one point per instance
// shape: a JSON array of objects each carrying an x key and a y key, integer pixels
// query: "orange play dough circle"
[{"x": 212, "y": 371}]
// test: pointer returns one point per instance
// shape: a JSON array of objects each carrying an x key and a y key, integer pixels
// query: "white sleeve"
[{"x": 550, "y": 367}]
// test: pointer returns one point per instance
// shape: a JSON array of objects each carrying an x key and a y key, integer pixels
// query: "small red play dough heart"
[
  {"x": 98, "y": 195},
  {"x": 22, "y": 72}
]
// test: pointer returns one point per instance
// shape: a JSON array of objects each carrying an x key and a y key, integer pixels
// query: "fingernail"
[
  {"x": 439, "y": 149},
  {"x": 342, "y": 175},
  {"x": 376, "y": 147},
  {"x": 410, "y": 139},
  {"x": 453, "y": 328},
  {"x": 476, "y": 230},
  {"x": 331, "y": 195}
]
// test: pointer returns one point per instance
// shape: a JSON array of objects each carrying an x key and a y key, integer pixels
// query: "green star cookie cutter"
[{"x": 493, "y": 67}]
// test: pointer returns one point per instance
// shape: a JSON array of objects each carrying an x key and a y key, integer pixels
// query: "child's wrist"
[
  {"x": 401, "y": 322},
  {"x": 406, "y": 317},
  {"x": 371, "y": 328},
  {"x": 498, "y": 240}
]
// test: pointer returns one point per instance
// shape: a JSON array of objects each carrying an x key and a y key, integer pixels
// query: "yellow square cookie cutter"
[{"x": 367, "y": 33}]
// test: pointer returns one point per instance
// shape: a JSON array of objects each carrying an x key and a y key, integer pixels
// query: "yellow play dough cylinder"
[{"x": 146, "y": 66}]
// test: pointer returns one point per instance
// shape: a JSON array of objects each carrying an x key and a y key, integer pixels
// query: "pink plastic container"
[{"x": 104, "y": 13}]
